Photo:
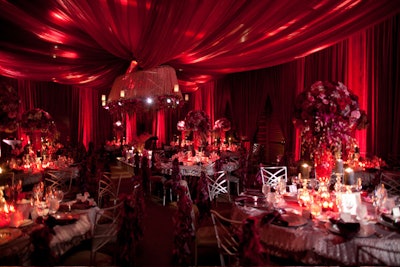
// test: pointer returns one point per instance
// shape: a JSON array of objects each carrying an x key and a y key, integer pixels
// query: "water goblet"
[
  {"x": 361, "y": 212},
  {"x": 266, "y": 189},
  {"x": 54, "y": 204}
]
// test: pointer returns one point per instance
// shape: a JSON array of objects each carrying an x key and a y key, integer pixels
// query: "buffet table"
[{"x": 318, "y": 242}]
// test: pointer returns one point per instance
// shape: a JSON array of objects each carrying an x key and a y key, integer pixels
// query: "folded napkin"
[
  {"x": 347, "y": 229},
  {"x": 274, "y": 217}
]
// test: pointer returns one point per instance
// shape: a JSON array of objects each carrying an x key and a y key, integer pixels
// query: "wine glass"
[
  {"x": 54, "y": 205},
  {"x": 266, "y": 189},
  {"x": 315, "y": 210},
  {"x": 59, "y": 194},
  {"x": 361, "y": 212}
]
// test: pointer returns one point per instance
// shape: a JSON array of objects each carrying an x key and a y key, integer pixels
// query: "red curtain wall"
[{"x": 75, "y": 43}]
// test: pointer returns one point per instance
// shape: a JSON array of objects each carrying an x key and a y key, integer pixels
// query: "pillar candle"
[
  {"x": 339, "y": 166},
  {"x": 349, "y": 176},
  {"x": 305, "y": 171}
]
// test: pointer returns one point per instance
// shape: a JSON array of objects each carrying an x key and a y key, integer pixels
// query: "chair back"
[
  {"x": 271, "y": 175},
  {"x": 107, "y": 189},
  {"x": 105, "y": 229},
  {"x": 217, "y": 184},
  {"x": 391, "y": 180},
  {"x": 61, "y": 179},
  {"x": 227, "y": 233}
]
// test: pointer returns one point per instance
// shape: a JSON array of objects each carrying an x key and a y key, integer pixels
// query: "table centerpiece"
[
  {"x": 327, "y": 114},
  {"x": 198, "y": 122},
  {"x": 37, "y": 122}
]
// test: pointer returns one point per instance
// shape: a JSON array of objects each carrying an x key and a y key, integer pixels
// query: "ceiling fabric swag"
[
  {"x": 76, "y": 42},
  {"x": 142, "y": 90}
]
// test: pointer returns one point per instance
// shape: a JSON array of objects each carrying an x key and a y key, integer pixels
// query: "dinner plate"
[
  {"x": 9, "y": 234},
  {"x": 366, "y": 230},
  {"x": 294, "y": 220},
  {"x": 66, "y": 218},
  {"x": 24, "y": 223},
  {"x": 386, "y": 223}
]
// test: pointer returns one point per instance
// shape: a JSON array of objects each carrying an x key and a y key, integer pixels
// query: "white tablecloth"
[{"x": 316, "y": 246}]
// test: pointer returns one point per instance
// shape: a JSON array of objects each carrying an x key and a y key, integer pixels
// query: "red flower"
[{"x": 328, "y": 114}]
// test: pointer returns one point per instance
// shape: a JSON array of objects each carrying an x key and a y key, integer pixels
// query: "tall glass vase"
[
  {"x": 36, "y": 140},
  {"x": 323, "y": 163}
]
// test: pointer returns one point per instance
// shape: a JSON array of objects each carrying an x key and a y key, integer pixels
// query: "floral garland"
[
  {"x": 328, "y": 115},
  {"x": 36, "y": 120},
  {"x": 9, "y": 104}
]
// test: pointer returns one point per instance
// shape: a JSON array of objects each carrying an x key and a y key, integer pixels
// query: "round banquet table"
[{"x": 316, "y": 245}]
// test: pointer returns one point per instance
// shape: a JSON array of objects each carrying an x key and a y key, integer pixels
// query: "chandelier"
[{"x": 144, "y": 90}]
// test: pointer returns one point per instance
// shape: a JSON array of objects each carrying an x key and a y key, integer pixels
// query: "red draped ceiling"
[{"x": 88, "y": 44}]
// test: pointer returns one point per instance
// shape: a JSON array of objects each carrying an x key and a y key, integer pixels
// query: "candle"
[
  {"x": 349, "y": 176},
  {"x": 122, "y": 93},
  {"x": 305, "y": 171},
  {"x": 339, "y": 166},
  {"x": 103, "y": 97}
]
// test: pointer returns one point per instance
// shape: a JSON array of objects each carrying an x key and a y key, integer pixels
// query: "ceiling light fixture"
[{"x": 145, "y": 90}]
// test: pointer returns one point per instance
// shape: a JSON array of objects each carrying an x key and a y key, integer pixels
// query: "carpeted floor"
[{"x": 156, "y": 248}]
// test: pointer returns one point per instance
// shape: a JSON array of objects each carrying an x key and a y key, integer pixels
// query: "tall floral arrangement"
[
  {"x": 328, "y": 114},
  {"x": 198, "y": 122},
  {"x": 36, "y": 120},
  {"x": 9, "y": 104}
]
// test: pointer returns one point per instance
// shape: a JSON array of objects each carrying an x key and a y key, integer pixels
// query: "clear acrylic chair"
[
  {"x": 108, "y": 190},
  {"x": 391, "y": 180},
  {"x": 227, "y": 232},
  {"x": 105, "y": 229},
  {"x": 217, "y": 185},
  {"x": 61, "y": 179},
  {"x": 271, "y": 175}
]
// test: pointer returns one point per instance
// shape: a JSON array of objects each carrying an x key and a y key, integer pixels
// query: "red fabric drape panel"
[
  {"x": 87, "y": 116},
  {"x": 383, "y": 73},
  {"x": 299, "y": 88},
  {"x": 130, "y": 127},
  {"x": 161, "y": 128},
  {"x": 282, "y": 96},
  {"x": 248, "y": 95},
  {"x": 357, "y": 79},
  {"x": 204, "y": 100}
]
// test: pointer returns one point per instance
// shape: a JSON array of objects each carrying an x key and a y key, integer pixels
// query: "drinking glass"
[
  {"x": 54, "y": 204},
  {"x": 266, "y": 189},
  {"x": 361, "y": 212}
]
